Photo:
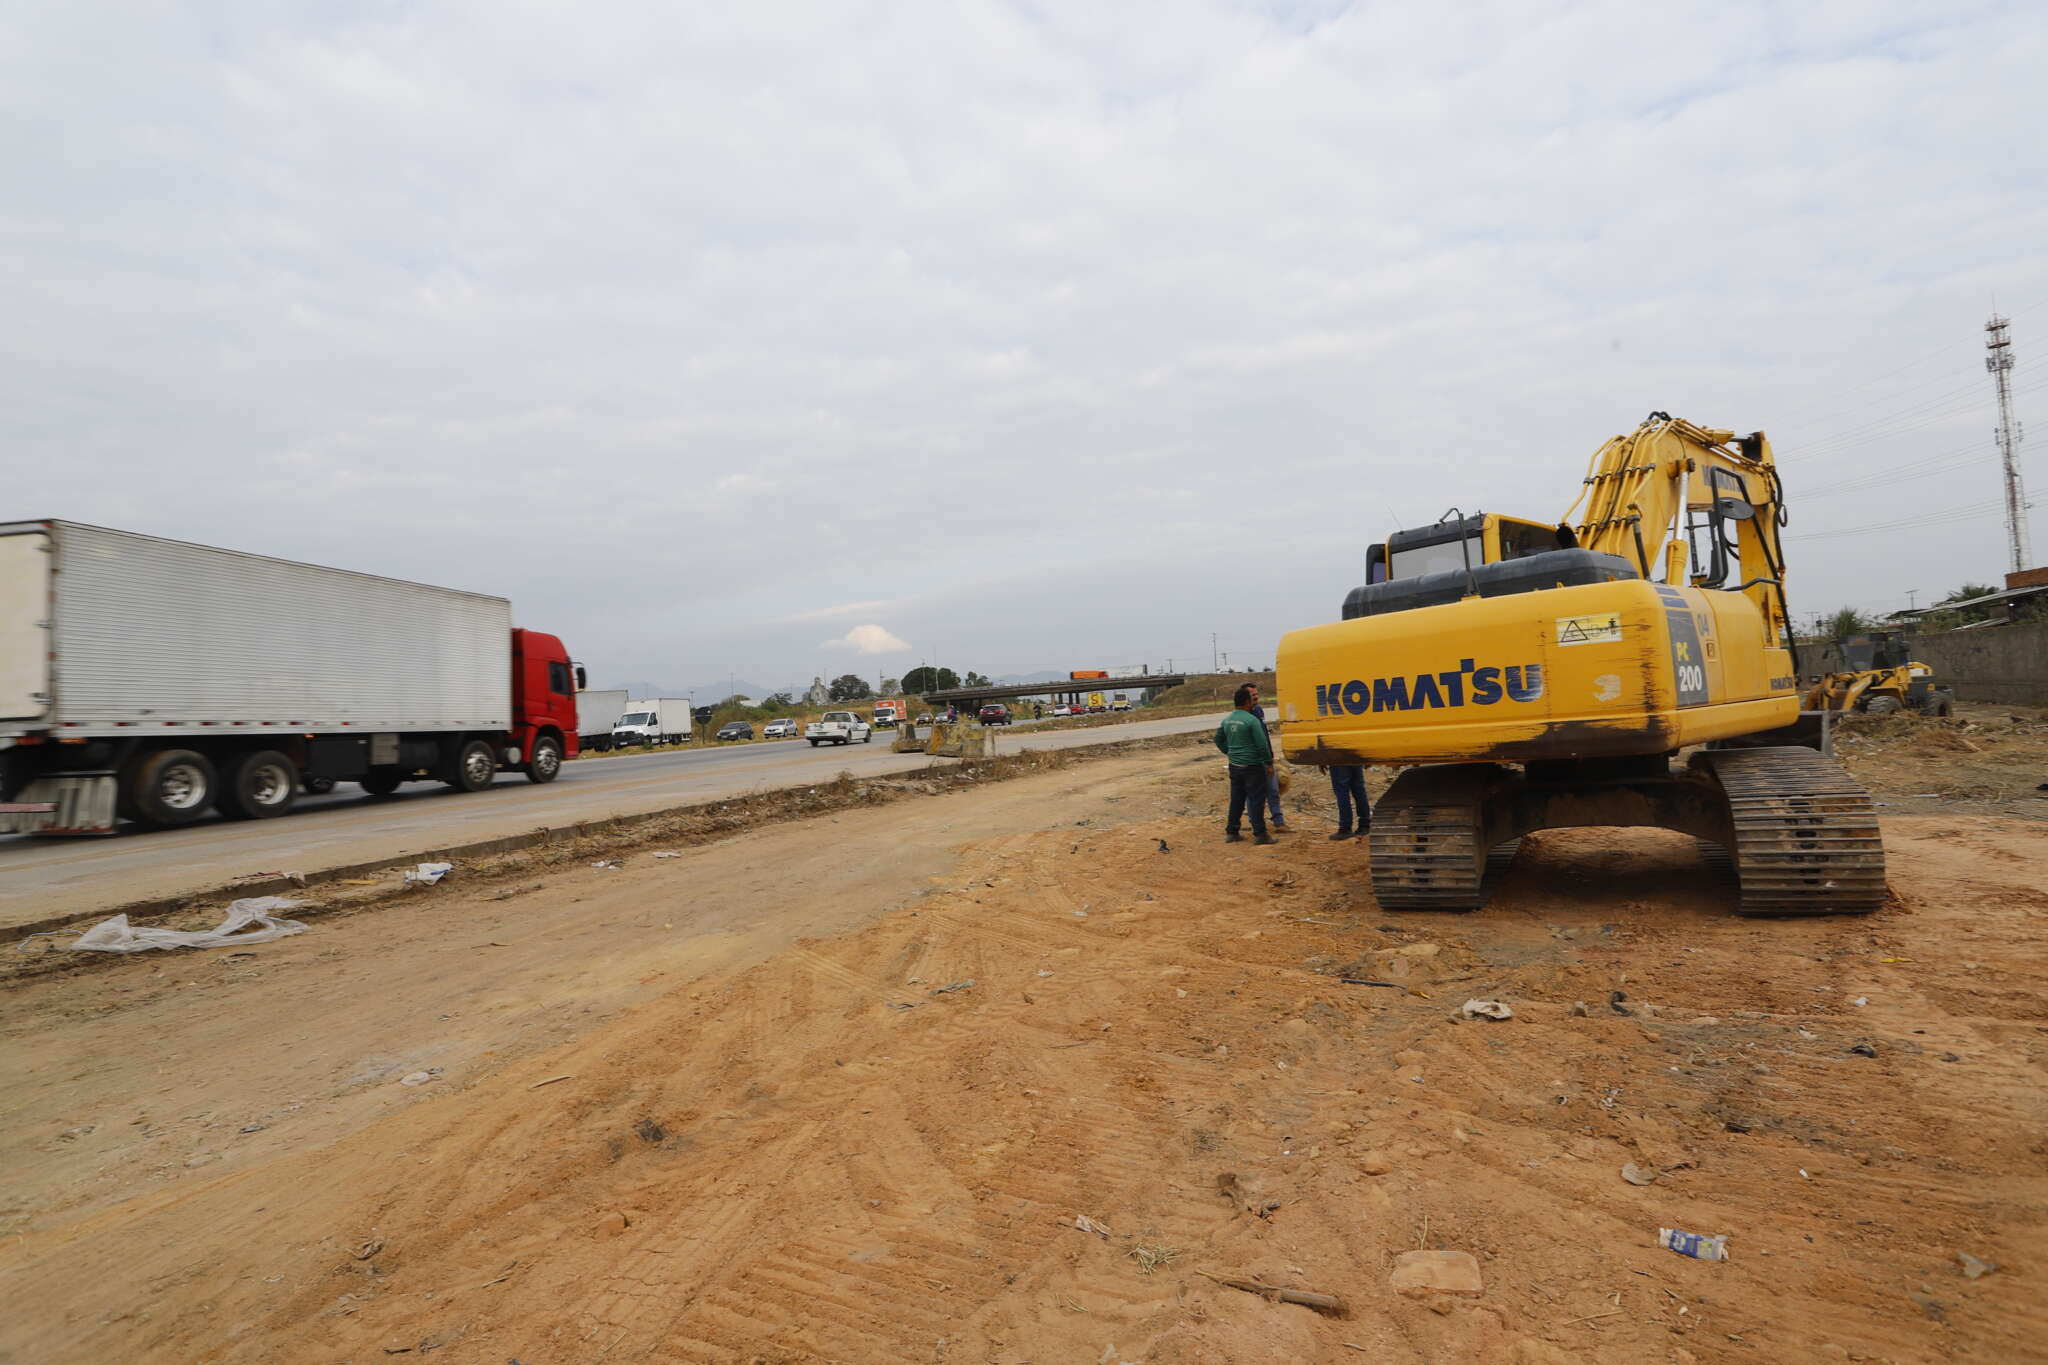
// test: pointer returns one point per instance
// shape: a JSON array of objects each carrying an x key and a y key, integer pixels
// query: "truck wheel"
[
  {"x": 475, "y": 767},
  {"x": 546, "y": 763},
  {"x": 814, "y": 744},
  {"x": 172, "y": 787},
  {"x": 260, "y": 785},
  {"x": 868, "y": 738},
  {"x": 381, "y": 781}
]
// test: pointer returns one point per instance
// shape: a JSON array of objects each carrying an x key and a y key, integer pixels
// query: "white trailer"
[
  {"x": 597, "y": 712},
  {"x": 659, "y": 720},
  {"x": 167, "y": 680}
]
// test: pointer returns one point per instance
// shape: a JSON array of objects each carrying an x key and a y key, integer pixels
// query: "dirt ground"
[{"x": 839, "y": 1089}]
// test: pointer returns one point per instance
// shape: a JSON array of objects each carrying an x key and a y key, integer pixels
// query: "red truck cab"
[{"x": 544, "y": 683}]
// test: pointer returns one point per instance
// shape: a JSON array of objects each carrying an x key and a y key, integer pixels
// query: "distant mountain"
[{"x": 703, "y": 694}]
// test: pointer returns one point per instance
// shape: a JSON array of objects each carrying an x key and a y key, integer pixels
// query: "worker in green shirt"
[{"x": 1242, "y": 738}]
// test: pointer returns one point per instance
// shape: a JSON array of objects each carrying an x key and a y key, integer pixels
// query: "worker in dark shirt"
[{"x": 1242, "y": 738}]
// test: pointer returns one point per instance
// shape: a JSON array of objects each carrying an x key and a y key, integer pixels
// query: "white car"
[
  {"x": 777, "y": 729},
  {"x": 838, "y": 727}
]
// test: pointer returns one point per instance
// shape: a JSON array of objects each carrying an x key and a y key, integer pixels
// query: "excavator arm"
[{"x": 1690, "y": 506}]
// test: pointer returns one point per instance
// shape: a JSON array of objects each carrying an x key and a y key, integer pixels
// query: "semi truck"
[
  {"x": 596, "y": 713},
  {"x": 659, "y": 720},
  {"x": 160, "y": 681}
]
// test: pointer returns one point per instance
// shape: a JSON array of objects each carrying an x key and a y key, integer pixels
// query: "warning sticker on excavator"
[{"x": 1601, "y": 627}]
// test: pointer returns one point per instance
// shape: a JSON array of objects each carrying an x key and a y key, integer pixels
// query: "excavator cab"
[{"x": 1483, "y": 555}]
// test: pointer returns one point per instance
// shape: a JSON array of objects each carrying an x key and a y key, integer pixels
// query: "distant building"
[
  {"x": 2023, "y": 588},
  {"x": 818, "y": 695}
]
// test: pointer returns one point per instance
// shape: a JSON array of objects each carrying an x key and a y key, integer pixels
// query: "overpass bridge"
[{"x": 1069, "y": 691}]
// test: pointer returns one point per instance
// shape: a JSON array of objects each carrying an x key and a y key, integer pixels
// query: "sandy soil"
[{"x": 774, "y": 1139}]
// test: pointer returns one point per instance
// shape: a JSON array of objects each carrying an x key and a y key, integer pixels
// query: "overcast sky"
[{"x": 1023, "y": 336}]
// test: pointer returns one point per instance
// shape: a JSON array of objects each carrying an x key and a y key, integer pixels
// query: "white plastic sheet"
[
  {"x": 117, "y": 935},
  {"x": 429, "y": 873}
]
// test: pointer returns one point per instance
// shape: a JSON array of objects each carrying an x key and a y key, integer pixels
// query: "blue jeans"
[
  {"x": 1347, "y": 781},
  {"x": 1273, "y": 798},
  {"x": 1247, "y": 793}
]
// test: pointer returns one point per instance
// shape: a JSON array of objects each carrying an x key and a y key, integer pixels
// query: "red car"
[{"x": 995, "y": 713}]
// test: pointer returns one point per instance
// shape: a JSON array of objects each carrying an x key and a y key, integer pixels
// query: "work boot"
[
  {"x": 1265, "y": 839},
  {"x": 1232, "y": 837},
  {"x": 1340, "y": 834}
]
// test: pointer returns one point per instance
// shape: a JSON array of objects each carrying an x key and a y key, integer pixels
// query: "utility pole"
[
  {"x": 1911, "y": 595},
  {"x": 1212, "y": 653},
  {"x": 1999, "y": 363}
]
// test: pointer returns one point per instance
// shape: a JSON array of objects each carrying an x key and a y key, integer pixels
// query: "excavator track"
[
  {"x": 1806, "y": 840},
  {"x": 1429, "y": 850}
]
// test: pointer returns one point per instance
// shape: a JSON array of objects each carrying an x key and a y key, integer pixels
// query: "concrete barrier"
[{"x": 960, "y": 740}]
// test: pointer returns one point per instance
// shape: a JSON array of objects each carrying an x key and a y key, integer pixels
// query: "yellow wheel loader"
[
  {"x": 1880, "y": 679},
  {"x": 1533, "y": 676}
]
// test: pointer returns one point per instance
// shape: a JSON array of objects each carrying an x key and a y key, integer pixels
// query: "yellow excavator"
[{"x": 1535, "y": 676}]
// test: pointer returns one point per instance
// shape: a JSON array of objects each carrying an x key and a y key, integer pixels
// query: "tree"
[
  {"x": 976, "y": 680},
  {"x": 891, "y": 687},
  {"x": 921, "y": 680},
  {"x": 781, "y": 699},
  {"x": 1845, "y": 621},
  {"x": 849, "y": 687}
]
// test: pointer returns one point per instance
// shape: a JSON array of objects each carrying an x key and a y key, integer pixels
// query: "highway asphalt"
[{"x": 42, "y": 879}]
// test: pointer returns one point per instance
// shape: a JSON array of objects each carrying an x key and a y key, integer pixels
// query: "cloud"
[
  {"x": 843, "y": 609},
  {"x": 1061, "y": 335},
  {"x": 869, "y": 640}
]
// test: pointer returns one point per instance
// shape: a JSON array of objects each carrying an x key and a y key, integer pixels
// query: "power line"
[
  {"x": 1918, "y": 468},
  {"x": 1877, "y": 420},
  {"x": 1828, "y": 451},
  {"x": 1916, "y": 418},
  {"x": 1952, "y": 514},
  {"x": 1827, "y": 403}
]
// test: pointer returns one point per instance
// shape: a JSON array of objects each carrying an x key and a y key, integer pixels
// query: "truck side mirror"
[{"x": 582, "y": 678}]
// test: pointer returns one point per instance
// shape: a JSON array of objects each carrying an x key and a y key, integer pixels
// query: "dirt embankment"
[
  {"x": 1989, "y": 760},
  {"x": 873, "y": 1145}
]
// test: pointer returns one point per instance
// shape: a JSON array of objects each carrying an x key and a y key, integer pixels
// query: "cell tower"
[{"x": 1999, "y": 362}]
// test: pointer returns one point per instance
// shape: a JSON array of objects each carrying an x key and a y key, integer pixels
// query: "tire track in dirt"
[{"x": 838, "y": 1180}]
